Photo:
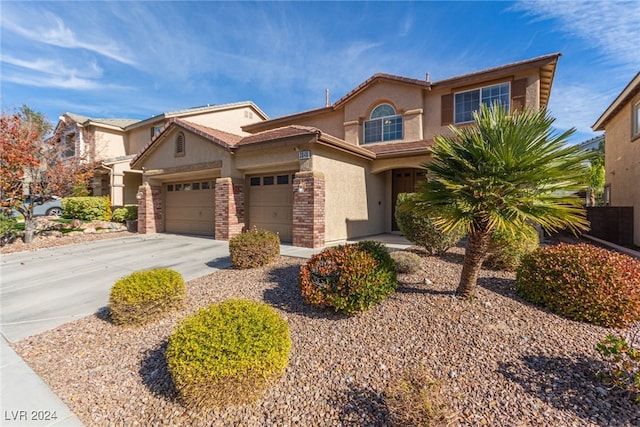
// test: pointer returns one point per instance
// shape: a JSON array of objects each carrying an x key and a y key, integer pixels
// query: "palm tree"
[{"x": 507, "y": 171}]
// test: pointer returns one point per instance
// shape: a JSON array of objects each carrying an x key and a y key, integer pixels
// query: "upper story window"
[
  {"x": 466, "y": 103},
  {"x": 69, "y": 141},
  {"x": 155, "y": 130},
  {"x": 180, "y": 144},
  {"x": 635, "y": 121},
  {"x": 384, "y": 125}
]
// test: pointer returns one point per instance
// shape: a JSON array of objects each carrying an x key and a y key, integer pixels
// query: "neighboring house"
[
  {"x": 114, "y": 142},
  {"x": 324, "y": 175},
  {"x": 621, "y": 123}
]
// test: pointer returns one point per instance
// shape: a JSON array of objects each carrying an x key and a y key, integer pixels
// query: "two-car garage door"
[{"x": 190, "y": 207}]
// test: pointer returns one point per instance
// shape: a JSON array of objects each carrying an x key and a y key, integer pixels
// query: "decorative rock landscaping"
[{"x": 501, "y": 361}]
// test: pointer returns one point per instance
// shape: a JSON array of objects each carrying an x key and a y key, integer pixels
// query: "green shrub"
[
  {"x": 228, "y": 353},
  {"x": 421, "y": 229},
  {"x": 254, "y": 248},
  {"x": 145, "y": 296},
  {"x": 349, "y": 278},
  {"x": 406, "y": 262},
  {"x": 416, "y": 398},
  {"x": 506, "y": 249},
  {"x": 623, "y": 362},
  {"x": 582, "y": 282},
  {"x": 87, "y": 208},
  {"x": 125, "y": 213},
  {"x": 9, "y": 229}
]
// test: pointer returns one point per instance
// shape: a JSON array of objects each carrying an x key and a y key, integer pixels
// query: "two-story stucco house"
[
  {"x": 324, "y": 175},
  {"x": 114, "y": 142},
  {"x": 621, "y": 123}
]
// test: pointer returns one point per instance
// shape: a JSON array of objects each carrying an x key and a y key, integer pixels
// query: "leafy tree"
[
  {"x": 506, "y": 171},
  {"x": 596, "y": 179},
  {"x": 31, "y": 163}
]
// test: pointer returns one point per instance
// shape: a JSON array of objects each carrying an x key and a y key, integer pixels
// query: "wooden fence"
[{"x": 611, "y": 223}]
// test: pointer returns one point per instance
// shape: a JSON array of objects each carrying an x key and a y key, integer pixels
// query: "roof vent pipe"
[
  {"x": 326, "y": 97},
  {"x": 426, "y": 77}
]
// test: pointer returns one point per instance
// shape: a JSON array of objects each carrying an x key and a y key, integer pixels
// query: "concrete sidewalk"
[{"x": 44, "y": 289}]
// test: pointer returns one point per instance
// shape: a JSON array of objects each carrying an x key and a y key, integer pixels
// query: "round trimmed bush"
[
  {"x": 582, "y": 282},
  {"x": 228, "y": 353},
  {"x": 506, "y": 249},
  {"x": 254, "y": 248},
  {"x": 145, "y": 296},
  {"x": 349, "y": 278},
  {"x": 421, "y": 229},
  {"x": 406, "y": 262}
]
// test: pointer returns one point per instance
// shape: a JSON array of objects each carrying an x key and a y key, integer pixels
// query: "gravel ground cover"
[{"x": 502, "y": 362}]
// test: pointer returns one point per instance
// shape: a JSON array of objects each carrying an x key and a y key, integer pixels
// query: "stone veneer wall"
[
  {"x": 150, "y": 209},
  {"x": 229, "y": 208},
  {"x": 308, "y": 209}
]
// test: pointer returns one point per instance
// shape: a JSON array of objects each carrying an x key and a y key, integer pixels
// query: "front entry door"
[{"x": 403, "y": 181}]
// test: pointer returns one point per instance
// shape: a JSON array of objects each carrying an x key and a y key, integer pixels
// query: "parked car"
[{"x": 52, "y": 207}]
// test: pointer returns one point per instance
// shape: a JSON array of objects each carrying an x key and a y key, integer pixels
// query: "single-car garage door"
[
  {"x": 271, "y": 204},
  {"x": 190, "y": 207}
]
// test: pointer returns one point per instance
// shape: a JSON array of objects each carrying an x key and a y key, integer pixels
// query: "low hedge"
[
  {"x": 582, "y": 282},
  {"x": 406, "y": 262},
  {"x": 349, "y": 278},
  {"x": 228, "y": 353},
  {"x": 506, "y": 249},
  {"x": 254, "y": 248},
  {"x": 421, "y": 229},
  {"x": 125, "y": 213},
  {"x": 145, "y": 296},
  {"x": 87, "y": 208}
]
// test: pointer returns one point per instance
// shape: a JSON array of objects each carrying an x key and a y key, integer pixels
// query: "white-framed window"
[
  {"x": 383, "y": 125},
  {"x": 635, "y": 120},
  {"x": 465, "y": 103},
  {"x": 180, "y": 144}
]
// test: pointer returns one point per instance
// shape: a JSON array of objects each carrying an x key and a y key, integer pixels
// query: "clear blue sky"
[{"x": 138, "y": 59}]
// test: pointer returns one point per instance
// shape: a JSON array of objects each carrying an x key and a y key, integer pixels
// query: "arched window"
[
  {"x": 180, "y": 144},
  {"x": 384, "y": 125}
]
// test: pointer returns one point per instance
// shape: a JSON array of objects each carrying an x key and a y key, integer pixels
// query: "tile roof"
[
  {"x": 199, "y": 110},
  {"x": 278, "y": 133},
  {"x": 395, "y": 147},
  {"x": 381, "y": 76},
  {"x": 84, "y": 120},
  {"x": 224, "y": 139}
]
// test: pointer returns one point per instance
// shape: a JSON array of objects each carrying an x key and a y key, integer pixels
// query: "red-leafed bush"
[
  {"x": 583, "y": 282},
  {"x": 349, "y": 278}
]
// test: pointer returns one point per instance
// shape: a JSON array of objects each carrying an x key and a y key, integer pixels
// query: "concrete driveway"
[{"x": 43, "y": 289}]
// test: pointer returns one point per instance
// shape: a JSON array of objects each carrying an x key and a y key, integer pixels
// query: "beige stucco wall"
[
  {"x": 622, "y": 164},
  {"x": 198, "y": 152},
  {"x": 432, "y": 117},
  {"x": 227, "y": 120},
  {"x": 138, "y": 138},
  {"x": 355, "y": 199},
  {"x": 109, "y": 144}
]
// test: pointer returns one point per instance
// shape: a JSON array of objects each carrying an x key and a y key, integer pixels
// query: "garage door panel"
[
  {"x": 271, "y": 208},
  {"x": 190, "y": 212}
]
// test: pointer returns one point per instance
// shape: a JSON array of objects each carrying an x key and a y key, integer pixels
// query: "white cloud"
[
  {"x": 577, "y": 106},
  {"x": 51, "y": 30},
  {"x": 611, "y": 27}
]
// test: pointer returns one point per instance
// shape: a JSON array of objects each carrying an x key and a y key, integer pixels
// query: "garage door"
[
  {"x": 190, "y": 207},
  {"x": 271, "y": 204}
]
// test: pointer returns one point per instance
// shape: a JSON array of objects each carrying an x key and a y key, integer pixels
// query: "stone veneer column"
[
  {"x": 150, "y": 209},
  {"x": 308, "y": 209},
  {"x": 229, "y": 208}
]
